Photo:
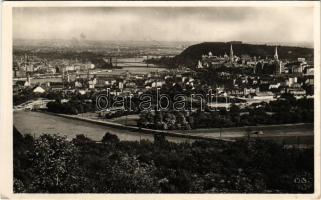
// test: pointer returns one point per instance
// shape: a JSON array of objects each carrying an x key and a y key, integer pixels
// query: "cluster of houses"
[
  {"x": 294, "y": 77},
  {"x": 245, "y": 86},
  {"x": 258, "y": 65},
  {"x": 296, "y": 85},
  {"x": 30, "y": 64}
]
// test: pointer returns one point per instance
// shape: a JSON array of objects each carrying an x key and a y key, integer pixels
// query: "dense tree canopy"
[
  {"x": 52, "y": 163},
  {"x": 285, "y": 110}
]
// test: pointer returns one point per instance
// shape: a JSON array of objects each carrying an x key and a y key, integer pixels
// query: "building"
[
  {"x": 56, "y": 85},
  {"x": 297, "y": 69},
  {"x": 291, "y": 81},
  {"x": 279, "y": 67},
  {"x": 301, "y": 59},
  {"x": 263, "y": 95},
  {"x": 309, "y": 80},
  {"x": 199, "y": 65},
  {"x": 274, "y": 86},
  {"x": 276, "y": 56},
  {"x": 78, "y": 84},
  {"x": 27, "y": 83},
  {"x": 81, "y": 92},
  {"x": 296, "y": 91},
  {"x": 231, "y": 54},
  {"x": 38, "y": 89},
  {"x": 92, "y": 82},
  {"x": 309, "y": 71},
  {"x": 158, "y": 84}
]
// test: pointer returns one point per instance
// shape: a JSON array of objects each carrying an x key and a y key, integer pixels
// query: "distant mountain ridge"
[{"x": 193, "y": 53}]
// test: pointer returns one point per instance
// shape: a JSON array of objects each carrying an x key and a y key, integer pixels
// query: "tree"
[
  {"x": 81, "y": 139},
  {"x": 234, "y": 109},
  {"x": 289, "y": 98},
  {"x": 23, "y": 147},
  {"x": 110, "y": 138},
  {"x": 58, "y": 165},
  {"x": 170, "y": 120},
  {"x": 55, "y": 167},
  {"x": 128, "y": 175}
]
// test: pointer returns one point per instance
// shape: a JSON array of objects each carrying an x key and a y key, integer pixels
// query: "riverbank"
[
  {"x": 298, "y": 129},
  {"x": 136, "y": 129},
  {"x": 37, "y": 123}
]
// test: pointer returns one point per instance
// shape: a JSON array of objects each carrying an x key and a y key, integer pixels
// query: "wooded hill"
[{"x": 194, "y": 53}]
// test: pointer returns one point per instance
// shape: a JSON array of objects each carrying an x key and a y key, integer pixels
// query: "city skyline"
[{"x": 178, "y": 99}]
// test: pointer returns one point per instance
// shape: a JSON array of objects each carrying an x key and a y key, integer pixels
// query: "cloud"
[{"x": 261, "y": 24}]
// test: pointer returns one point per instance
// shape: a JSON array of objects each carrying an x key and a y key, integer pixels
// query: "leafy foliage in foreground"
[{"x": 53, "y": 164}]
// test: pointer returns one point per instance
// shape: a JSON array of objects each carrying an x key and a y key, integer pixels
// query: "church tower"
[
  {"x": 276, "y": 56},
  {"x": 278, "y": 63},
  {"x": 231, "y": 54}
]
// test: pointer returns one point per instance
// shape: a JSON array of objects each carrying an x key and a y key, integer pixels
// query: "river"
[{"x": 36, "y": 123}]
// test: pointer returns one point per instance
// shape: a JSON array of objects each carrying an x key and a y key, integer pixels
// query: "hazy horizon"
[{"x": 79, "y": 42}]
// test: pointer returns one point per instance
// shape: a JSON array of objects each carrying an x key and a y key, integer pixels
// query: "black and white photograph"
[{"x": 165, "y": 99}]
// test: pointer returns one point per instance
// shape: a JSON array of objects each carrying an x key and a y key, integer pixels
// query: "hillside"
[{"x": 193, "y": 53}]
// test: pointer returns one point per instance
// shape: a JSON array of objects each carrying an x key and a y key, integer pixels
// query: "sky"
[{"x": 247, "y": 24}]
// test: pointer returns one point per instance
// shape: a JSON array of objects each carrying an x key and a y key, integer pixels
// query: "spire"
[
  {"x": 231, "y": 53},
  {"x": 276, "y": 57},
  {"x": 199, "y": 64}
]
